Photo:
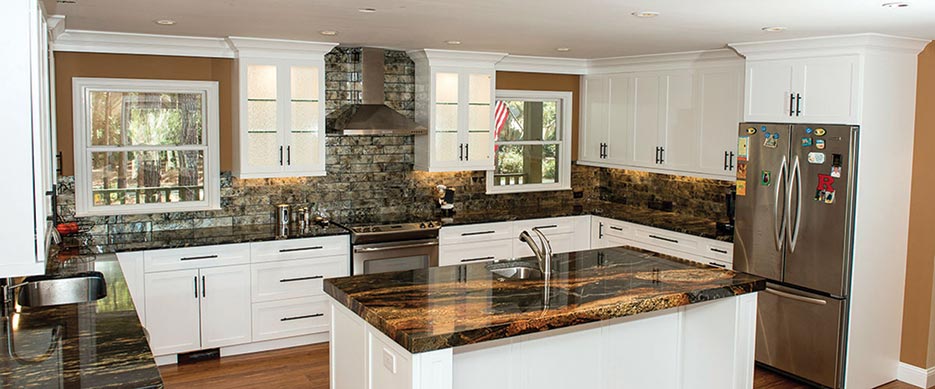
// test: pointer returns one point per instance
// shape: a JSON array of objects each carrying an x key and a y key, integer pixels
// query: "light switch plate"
[{"x": 389, "y": 361}]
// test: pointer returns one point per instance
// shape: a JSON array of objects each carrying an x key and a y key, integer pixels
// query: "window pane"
[
  {"x": 526, "y": 164},
  {"x": 146, "y": 118},
  {"x": 144, "y": 177},
  {"x": 527, "y": 120}
]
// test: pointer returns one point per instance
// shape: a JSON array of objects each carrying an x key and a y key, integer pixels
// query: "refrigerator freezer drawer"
[{"x": 800, "y": 333}]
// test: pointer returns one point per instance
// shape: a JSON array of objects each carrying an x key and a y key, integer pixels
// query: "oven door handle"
[{"x": 385, "y": 248}]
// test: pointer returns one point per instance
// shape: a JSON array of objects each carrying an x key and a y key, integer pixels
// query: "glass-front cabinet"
[
  {"x": 454, "y": 95},
  {"x": 280, "y": 110}
]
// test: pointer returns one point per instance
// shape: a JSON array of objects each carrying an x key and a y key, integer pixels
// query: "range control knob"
[
  {"x": 431, "y": 225},
  {"x": 421, "y": 225}
]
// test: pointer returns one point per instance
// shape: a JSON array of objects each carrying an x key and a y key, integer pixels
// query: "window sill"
[
  {"x": 527, "y": 189},
  {"x": 146, "y": 210}
]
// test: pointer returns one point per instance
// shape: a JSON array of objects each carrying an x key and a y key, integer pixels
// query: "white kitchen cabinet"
[
  {"x": 292, "y": 317},
  {"x": 296, "y": 278},
  {"x": 455, "y": 101},
  {"x": 25, "y": 108},
  {"x": 565, "y": 234},
  {"x": 131, "y": 265},
  {"x": 279, "y": 115},
  {"x": 496, "y": 241},
  {"x": 173, "y": 310},
  {"x": 225, "y": 306},
  {"x": 803, "y": 90},
  {"x": 719, "y": 107},
  {"x": 607, "y": 232},
  {"x": 462, "y": 253},
  {"x": 594, "y": 119},
  {"x": 607, "y": 119}
]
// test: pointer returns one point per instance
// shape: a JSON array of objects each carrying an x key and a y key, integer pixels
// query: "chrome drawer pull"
[
  {"x": 302, "y": 317},
  {"x": 548, "y": 226},
  {"x": 717, "y": 264},
  {"x": 718, "y": 250},
  {"x": 665, "y": 239},
  {"x": 615, "y": 228},
  {"x": 301, "y": 279},
  {"x": 300, "y": 249},
  {"x": 477, "y": 233},
  {"x": 477, "y": 259},
  {"x": 201, "y": 257}
]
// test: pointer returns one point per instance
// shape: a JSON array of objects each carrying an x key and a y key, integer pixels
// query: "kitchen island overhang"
[{"x": 613, "y": 318}]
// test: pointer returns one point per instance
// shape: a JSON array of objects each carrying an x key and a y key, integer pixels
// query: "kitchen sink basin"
[
  {"x": 45, "y": 291},
  {"x": 515, "y": 271}
]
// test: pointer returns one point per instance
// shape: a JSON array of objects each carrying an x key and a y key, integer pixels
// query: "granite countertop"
[
  {"x": 95, "y": 344},
  {"x": 672, "y": 221},
  {"x": 431, "y": 309}
]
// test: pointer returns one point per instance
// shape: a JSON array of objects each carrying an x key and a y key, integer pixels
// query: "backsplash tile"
[{"x": 693, "y": 196}]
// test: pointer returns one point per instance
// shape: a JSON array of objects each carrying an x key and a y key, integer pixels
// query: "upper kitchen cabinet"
[
  {"x": 455, "y": 101},
  {"x": 279, "y": 109},
  {"x": 25, "y": 108},
  {"x": 803, "y": 90},
  {"x": 674, "y": 114}
]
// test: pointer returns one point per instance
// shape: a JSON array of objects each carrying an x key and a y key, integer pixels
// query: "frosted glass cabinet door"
[
  {"x": 448, "y": 145},
  {"x": 263, "y": 139},
  {"x": 478, "y": 148},
  {"x": 303, "y": 150}
]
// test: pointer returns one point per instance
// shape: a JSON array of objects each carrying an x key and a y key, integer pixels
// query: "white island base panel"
[{"x": 705, "y": 345}]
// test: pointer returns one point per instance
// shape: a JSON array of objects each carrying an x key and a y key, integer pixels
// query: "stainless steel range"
[{"x": 383, "y": 247}]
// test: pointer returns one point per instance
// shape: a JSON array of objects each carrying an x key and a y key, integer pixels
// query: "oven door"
[{"x": 395, "y": 256}]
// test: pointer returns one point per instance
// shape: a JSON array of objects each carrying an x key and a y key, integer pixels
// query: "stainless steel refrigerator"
[{"x": 794, "y": 226}]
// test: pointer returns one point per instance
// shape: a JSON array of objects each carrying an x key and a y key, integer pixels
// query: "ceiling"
[{"x": 590, "y": 28}]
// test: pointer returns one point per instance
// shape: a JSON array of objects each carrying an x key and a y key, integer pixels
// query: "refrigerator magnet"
[
  {"x": 751, "y": 130},
  {"x": 766, "y": 177},
  {"x": 741, "y": 188},
  {"x": 741, "y": 170},
  {"x": 816, "y": 158},
  {"x": 771, "y": 142},
  {"x": 743, "y": 148},
  {"x": 825, "y": 191},
  {"x": 820, "y": 144},
  {"x": 806, "y": 141},
  {"x": 808, "y": 130},
  {"x": 836, "y": 160},
  {"x": 820, "y": 131},
  {"x": 836, "y": 171}
]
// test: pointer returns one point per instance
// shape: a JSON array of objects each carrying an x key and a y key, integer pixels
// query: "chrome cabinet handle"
[
  {"x": 664, "y": 238},
  {"x": 478, "y": 259},
  {"x": 615, "y": 228},
  {"x": 199, "y": 257},
  {"x": 718, "y": 250},
  {"x": 301, "y": 279},
  {"x": 780, "y": 231},
  {"x": 302, "y": 317},
  {"x": 548, "y": 226},
  {"x": 477, "y": 233},
  {"x": 407, "y": 246},
  {"x": 798, "y": 104},
  {"x": 791, "y": 104},
  {"x": 721, "y": 265},
  {"x": 300, "y": 249},
  {"x": 796, "y": 297}
]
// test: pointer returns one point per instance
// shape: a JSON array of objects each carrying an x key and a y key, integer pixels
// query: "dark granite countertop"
[
  {"x": 672, "y": 221},
  {"x": 450, "y": 306},
  {"x": 87, "y": 345}
]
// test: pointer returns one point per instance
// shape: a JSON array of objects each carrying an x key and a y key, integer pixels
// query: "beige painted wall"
[{"x": 918, "y": 335}]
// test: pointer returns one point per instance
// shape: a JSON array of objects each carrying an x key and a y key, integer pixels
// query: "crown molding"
[
  {"x": 244, "y": 47},
  {"x": 435, "y": 57},
  {"x": 531, "y": 64},
  {"x": 148, "y": 44},
  {"x": 667, "y": 61},
  {"x": 56, "y": 25},
  {"x": 830, "y": 45}
]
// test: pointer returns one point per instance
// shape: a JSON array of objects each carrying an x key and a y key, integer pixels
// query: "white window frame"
[
  {"x": 565, "y": 100},
  {"x": 81, "y": 88}
]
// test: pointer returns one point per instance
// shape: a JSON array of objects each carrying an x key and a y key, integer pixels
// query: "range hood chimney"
[{"x": 373, "y": 117}]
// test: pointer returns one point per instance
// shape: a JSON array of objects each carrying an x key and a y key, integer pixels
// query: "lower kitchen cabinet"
[
  {"x": 461, "y": 253},
  {"x": 225, "y": 306},
  {"x": 614, "y": 233},
  {"x": 495, "y": 241},
  {"x": 294, "y": 317}
]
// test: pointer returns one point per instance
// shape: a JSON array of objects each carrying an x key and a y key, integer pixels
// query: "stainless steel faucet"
[{"x": 543, "y": 250}]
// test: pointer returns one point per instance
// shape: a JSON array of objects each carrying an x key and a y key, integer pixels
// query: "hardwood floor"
[{"x": 307, "y": 367}]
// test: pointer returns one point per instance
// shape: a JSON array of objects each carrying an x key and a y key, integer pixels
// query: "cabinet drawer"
[
  {"x": 476, "y": 233},
  {"x": 296, "y": 278},
  {"x": 561, "y": 243},
  {"x": 667, "y": 239},
  {"x": 196, "y": 257},
  {"x": 461, "y": 253},
  {"x": 283, "y": 250},
  {"x": 551, "y": 226},
  {"x": 294, "y": 317},
  {"x": 721, "y": 251}
]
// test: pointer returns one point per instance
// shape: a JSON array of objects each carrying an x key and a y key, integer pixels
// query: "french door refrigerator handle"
[
  {"x": 796, "y": 297},
  {"x": 780, "y": 231},
  {"x": 796, "y": 175}
]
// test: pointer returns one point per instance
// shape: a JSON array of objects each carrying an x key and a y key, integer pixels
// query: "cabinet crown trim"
[
  {"x": 650, "y": 62},
  {"x": 244, "y": 47},
  {"x": 434, "y": 57},
  {"x": 147, "y": 44},
  {"x": 533, "y": 64},
  {"x": 830, "y": 45}
]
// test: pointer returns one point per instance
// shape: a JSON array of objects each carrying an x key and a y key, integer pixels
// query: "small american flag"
[{"x": 500, "y": 115}]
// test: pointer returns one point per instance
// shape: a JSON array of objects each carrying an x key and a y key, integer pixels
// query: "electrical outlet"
[{"x": 578, "y": 194}]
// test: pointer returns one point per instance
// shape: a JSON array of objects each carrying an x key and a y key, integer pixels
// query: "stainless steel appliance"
[
  {"x": 385, "y": 247},
  {"x": 794, "y": 226}
]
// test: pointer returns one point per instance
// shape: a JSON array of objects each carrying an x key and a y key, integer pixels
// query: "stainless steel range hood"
[{"x": 373, "y": 117}]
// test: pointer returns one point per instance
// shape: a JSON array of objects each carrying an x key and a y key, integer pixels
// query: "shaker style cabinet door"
[
  {"x": 719, "y": 109},
  {"x": 225, "y": 306},
  {"x": 617, "y": 147},
  {"x": 478, "y": 150},
  {"x": 770, "y": 91},
  {"x": 448, "y": 145},
  {"x": 172, "y": 311},
  {"x": 678, "y": 131},
  {"x": 594, "y": 127},
  {"x": 260, "y": 130},
  {"x": 645, "y": 140},
  {"x": 303, "y": 132},
  {"x": 829, "y": 90}
]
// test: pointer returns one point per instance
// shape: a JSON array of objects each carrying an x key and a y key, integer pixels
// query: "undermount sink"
[
  {"x": 515, "y": 271},
  {"x": 43, "y": 291}
]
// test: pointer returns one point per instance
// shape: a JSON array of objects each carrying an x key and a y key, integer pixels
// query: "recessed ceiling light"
[
  {"x": 774, "y": 29},
  {"x": 367, "y": 10},
  {"x": 645, "y": 14},
  {"x": 563, "y": 49},
  {"x": 164, "y": 22},
  {"x": 898, "y": 4},
  {"x": 328, "y": 33},
  {"x": 453, "y": 42}
]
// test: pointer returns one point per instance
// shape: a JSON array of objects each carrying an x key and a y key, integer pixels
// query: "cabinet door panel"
[
  {"x": 479, "y": 138},
  {"x": 262, "y": 119},
  {"x": 720, "y": 107},
  {"x": 225, "y": 306},
  {"x": 679, "y": 131},
  {"x": 594, "y": 131},
  {"x": 462, "y": 253},
  {"x": 645, "y": 120},
  {"x": 172, "y": 314},
  {"x": 768, "y": 90},
  {"x": 829, "y": 90},
  {"x": 620, "y": 125}
]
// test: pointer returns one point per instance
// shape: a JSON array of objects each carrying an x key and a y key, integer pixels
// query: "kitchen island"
[{"x": 607, "y": 318}]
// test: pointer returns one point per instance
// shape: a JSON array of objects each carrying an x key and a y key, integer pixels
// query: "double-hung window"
[
  {"x": 145, "y": 146},
  {"x": 532, "y": 142}
]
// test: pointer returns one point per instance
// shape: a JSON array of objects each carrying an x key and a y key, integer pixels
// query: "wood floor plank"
[{"x": 307, "y": 367}]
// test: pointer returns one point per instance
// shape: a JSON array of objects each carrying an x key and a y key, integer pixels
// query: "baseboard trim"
[
  {"x": 913, "y": 375},
  {"x": 256, "y": 347}
]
